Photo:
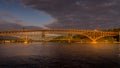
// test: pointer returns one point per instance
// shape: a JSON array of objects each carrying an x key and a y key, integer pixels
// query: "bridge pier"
[
  {"x": 43, "y": 36},
  {"x": 69, "y": 38},
  {"x": 26, "y": 42},
  {"x": 94, "y": 41},
  {"x": 26, "y": 38}
]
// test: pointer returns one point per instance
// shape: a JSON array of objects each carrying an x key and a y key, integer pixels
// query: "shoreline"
[
  {"x": 98, "y": 42},
  {"x": 70, "y": 42}
]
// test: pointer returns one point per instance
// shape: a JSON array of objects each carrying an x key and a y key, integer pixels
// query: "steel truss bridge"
[{"x": 93, "y": 35}]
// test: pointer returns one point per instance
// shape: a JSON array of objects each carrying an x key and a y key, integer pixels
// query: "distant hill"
[{"x": 114, "y": 29}]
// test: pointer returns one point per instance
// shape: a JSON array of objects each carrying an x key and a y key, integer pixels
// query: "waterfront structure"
[{"x": 93, "y": 35}]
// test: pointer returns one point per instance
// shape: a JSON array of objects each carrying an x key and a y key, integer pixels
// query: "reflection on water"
[{"x": 59, "y": 55}]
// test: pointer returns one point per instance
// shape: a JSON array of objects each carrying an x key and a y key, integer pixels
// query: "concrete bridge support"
[
  {"x": 69, "y": 38},
  {"x": 26, "y": 41},
  {"x": 94, "y": 41},
  {"x": 43, "y": 36}
]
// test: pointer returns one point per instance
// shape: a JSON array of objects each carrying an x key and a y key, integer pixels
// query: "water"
[{"x": 59, "y": 55}]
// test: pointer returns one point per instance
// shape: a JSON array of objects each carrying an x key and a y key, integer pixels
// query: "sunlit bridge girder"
[{"x": 25, "y": 34}]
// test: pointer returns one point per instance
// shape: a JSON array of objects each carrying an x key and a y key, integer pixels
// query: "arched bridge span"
[{"x": 91, "y": 34}]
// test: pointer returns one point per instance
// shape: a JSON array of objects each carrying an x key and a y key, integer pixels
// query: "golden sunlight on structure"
[
  {"x": 94, "y": 42},
  {"x": 26, "y": 42}
]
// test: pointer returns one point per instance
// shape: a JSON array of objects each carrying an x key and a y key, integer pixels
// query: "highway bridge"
[{"x": 93, "y": 35}]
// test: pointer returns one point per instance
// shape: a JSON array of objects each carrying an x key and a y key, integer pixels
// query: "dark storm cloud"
[{"x": 79, "y": 14}]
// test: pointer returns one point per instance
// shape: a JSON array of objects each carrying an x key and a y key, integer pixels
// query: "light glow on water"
[
  {"x": 94, "y": 42},
  {"x": 71, "y": 54},
  {"x": 26, "y": 42}
]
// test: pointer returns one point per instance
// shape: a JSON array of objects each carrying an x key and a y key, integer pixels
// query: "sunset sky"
[{"x": 62, "y": 14}]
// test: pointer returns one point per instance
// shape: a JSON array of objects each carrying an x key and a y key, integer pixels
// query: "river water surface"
[{"x": 59, "y": 55}]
